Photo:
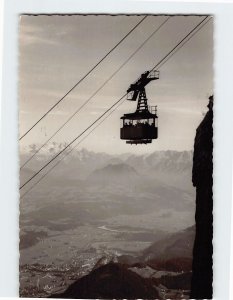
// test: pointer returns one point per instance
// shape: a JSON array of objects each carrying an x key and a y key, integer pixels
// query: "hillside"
[
  {"x": 173, "y": 253},
  {"x": 110, "y": 281},
  {"x": 117, "y": 206},
  {"x": 113, "y": 173},
  {"x": 179, "y": 244},
  {"x": 163, "y": 269}
]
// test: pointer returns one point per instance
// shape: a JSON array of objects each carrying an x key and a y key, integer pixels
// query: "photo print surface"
[{"x": 115, "y": 146}]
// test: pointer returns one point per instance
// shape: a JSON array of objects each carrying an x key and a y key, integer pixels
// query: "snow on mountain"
[
  {"x": 166, "y": 166},
  {"x": 172, "y": 161}
]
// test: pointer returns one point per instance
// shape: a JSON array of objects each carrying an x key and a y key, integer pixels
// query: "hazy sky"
[{"x": 56, "y": 51}]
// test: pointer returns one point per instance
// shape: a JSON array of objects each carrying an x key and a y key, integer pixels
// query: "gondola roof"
[{"x": 139, "y": 115}]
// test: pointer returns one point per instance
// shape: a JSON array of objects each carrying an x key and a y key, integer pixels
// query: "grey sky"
[{"x": 56, "y": 51}]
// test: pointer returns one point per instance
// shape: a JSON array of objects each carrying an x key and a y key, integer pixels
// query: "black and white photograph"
[{"x": 116, "y": 156}]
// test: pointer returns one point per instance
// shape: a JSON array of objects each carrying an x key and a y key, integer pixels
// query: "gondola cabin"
[{"x": 140, "y": 127}]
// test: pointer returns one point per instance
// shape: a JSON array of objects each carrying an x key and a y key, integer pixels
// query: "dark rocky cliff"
[
  {"x": 111, "y": 281},
  {"x": 201, "y": 285}
]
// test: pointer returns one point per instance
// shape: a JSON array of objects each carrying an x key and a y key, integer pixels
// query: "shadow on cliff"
[{"x": 201, "y": 284}]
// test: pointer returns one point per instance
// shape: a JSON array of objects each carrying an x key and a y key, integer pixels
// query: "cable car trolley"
[{"x": 140, "y": 127}]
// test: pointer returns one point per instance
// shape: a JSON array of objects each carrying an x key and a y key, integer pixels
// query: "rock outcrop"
[
  {"x": 111, "y": 281},
  {"x": 201, "y": 284}
]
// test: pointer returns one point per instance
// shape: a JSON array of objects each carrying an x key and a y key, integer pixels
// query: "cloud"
[
  {"x": 24, "y": 112},
  {"x": 57, "y": 51},
  {"x": 94, "y": 113},
  {"x": 59, "y": 113},
  {"x": 28, "y": 39},
  {"x": 31, "y": 34},
  {"x": 181, "y": 110}
]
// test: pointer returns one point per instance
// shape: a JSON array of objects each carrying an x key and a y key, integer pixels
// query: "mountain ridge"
[
  {"x": 112, "y": 281},
  {"x": 160, "y": 164}
]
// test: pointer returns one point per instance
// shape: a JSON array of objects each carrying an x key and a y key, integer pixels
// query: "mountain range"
[
  {"x": 135, "y": 208},
  {"x": 172, "y": 167}
]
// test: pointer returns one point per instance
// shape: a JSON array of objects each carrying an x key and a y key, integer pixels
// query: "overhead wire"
[
  {"x": 181, "y": 45},
  {"x": 96, "y": 92},
  {"x": 159, "y": 63},
  {"x": 52, "y": 159},
  {"x": 69, "y": 152},
  {"x": 173, "y": 49},
  {"x": 92, "y": 69}
]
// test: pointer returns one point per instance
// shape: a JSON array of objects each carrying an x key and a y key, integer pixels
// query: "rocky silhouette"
[
  {"x": 110, "y": 281},
  {"x": 201, "y": 285}
]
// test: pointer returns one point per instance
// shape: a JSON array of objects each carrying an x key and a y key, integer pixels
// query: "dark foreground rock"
[
  {"x": 201, "y": 285},
  {"x": 111, "y": 281}
]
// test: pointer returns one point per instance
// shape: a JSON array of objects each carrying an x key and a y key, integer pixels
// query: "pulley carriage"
[{"x": 141, "y": 126}]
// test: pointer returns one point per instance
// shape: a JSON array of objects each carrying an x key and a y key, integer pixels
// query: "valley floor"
[{"x": 58, "y": 259}]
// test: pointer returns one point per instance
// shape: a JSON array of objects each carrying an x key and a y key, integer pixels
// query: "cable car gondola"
[{"x": 140, "y": 127}]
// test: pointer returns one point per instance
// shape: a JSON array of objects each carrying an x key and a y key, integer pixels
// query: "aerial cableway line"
[
  {"x": 161, "y": 62},
  {"x": 92, "y": 69},
  {"x": 75, "y": 139},
  {"x": 141, "y": 126},
  {"x": 94, "y": 94},
  {"x": 70, "y": 150}
]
